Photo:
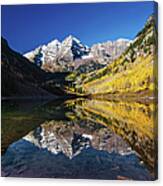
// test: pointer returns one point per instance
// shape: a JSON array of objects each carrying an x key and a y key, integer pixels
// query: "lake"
[{"x": 79, "y": 138}]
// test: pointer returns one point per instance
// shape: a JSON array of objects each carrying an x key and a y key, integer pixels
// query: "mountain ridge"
[{"x": 65, "y": 55}]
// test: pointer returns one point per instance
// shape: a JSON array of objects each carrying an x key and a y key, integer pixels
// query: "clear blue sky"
[{"x": 27, "y": 26}]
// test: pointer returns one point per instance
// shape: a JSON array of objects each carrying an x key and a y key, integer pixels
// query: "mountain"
[
  {"x": 133, "y": 72},
  {"x": 71, "y": 46},
  {"x": 114, "y": 67},
  {"x": 19, "y": 76},
  {"x": 56, "y": 56},
  {"x": 100, "y": 55},
  {"x": 107, "y": 52},
  {"x": 72, "y": 55}
]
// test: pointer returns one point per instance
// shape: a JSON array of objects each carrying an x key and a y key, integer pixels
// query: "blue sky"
[{"x": 27, "y": 26}]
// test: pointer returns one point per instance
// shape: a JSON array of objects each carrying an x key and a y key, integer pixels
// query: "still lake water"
[{"x": 80, "y": 138}]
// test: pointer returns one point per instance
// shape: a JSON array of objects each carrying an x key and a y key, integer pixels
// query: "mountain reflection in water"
[{"x": 82, "y": 138}]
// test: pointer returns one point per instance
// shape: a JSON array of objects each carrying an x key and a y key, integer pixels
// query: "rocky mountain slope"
[
  {"x": 71, "y": 54},
  {"x": 135, "y": 71},
  {"x": 57, "y": 56},
  {"x": 106, "y": 52}
]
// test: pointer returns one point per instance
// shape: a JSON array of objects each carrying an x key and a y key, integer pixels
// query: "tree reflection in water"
[{"x": 96, "y": 139}]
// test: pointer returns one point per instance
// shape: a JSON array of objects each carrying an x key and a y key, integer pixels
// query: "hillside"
[
  {"x": 135, "y": 71},
  {"x": 19, "y": 76}
]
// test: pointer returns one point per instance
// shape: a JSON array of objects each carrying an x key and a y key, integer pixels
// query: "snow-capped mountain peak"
[
  {"x": 54, "y": 43},
  {"x": 71, "y": 38},
  {"x": 63, "y": 56}
]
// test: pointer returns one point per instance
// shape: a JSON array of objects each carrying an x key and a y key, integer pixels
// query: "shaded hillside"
[
  {"x": 134, "y": 71},
  {"x": 19, "y": 77},
  {"x": 25, "y": 79}
]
